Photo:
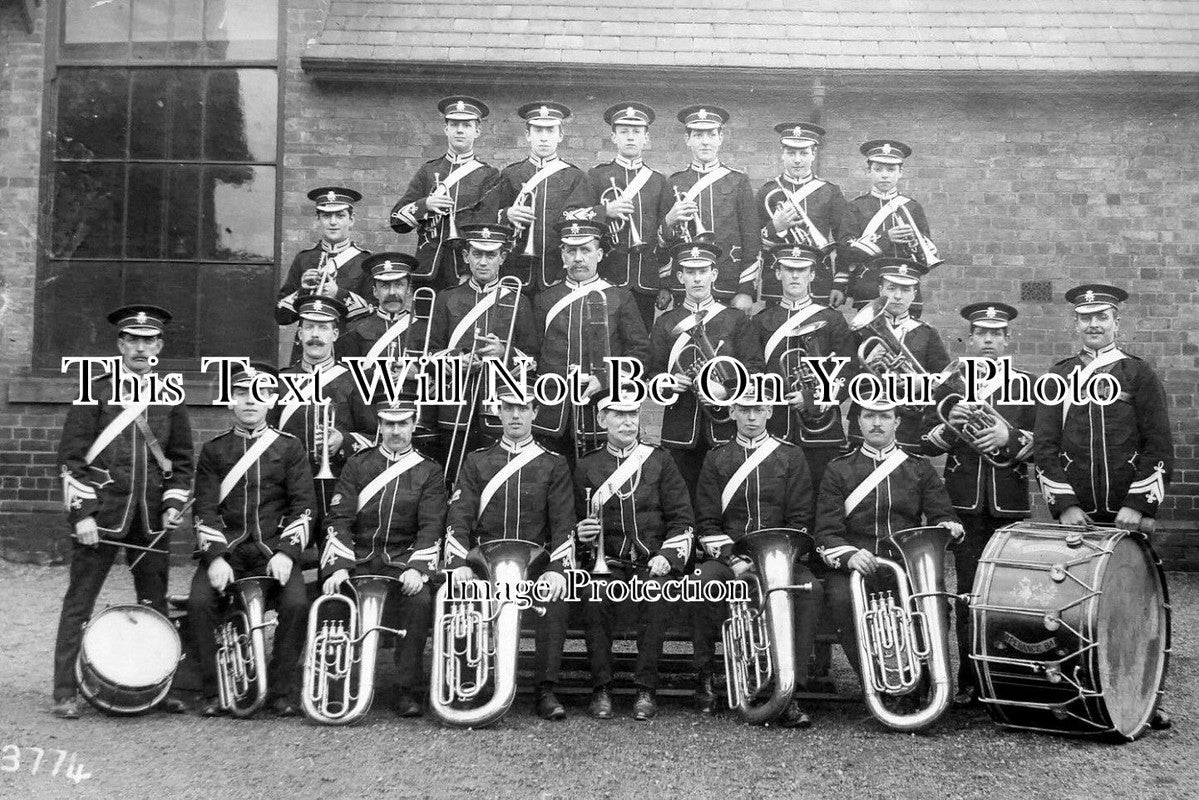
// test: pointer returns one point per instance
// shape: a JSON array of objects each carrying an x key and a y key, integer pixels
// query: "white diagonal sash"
[
  {"x": 879, "y": 216},
  {"x": 500, "y": 478},
  {"x": 1084, "y": 374},
  {"x": 707, "y": 180},
  {"x": 390, "y": 335},
  {"x": 788, "y": 328},
  {"x": 739, "y": 477},
  {"x": 246, "y": 461},
  {"x": 578, "y": 293},
  {"x": 474, "y": 315},
  {"x": 114, "y": 429},
  {"x": 407, "y": 462},
  {"x": 796, "y": 199},
  {"x": 540, "y": 175},
  {"x": 636, "y": 185},
  {"x": 460, "y": 172},
  {"x": 683, "y": 329},
  {"x": 889, "y": 465},
  {"x": 331, "y": 374},
  {"x": 620, "y": 476}
]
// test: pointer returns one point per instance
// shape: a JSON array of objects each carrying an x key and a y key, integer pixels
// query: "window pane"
[
  {"x": 91, "y": 113},
  {"x": 92, "y": 21},
  {"x": 172, "y": 286},
  {"x": 238, "y": 222},
  {"x": 242, "y": 114},
  {"x": 151, "y": 20},
  {"x": 166, "y": 109},
  {"x": 147, "y": 189},
  {"x": 242, "y": 28},
  {"x": 237, "y": 302},
  {"x": 183, "y": 212},
  {"x": 89, "y": 201},
  {"x": 75, "y": 298}
]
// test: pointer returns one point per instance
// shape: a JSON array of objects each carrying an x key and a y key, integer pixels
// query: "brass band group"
[{"x": 765, "y": 518}]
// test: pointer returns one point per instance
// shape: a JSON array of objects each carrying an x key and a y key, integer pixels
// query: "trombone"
[{"x": 617, "y": 225}]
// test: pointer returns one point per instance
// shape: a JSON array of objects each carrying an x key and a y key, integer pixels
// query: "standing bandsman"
[
  {"x": 799, "y": 208},
  {"x": 753, "y": 482},
  {"x": 633, "y": 495},
  {"x": 583, "y": 321},
  {"x": 690, "y": 426},
  {"x": 516, "y": 489},
  {"x": 445, "y": 193},
  {"x": 713, "y": 203},
  {"x": 386, "y": 518},
  {"x": 900, "y": 281},
  {"x": 534, "y": 193},
  {"x": 886, "y": 223},
  {"x": 631, "y": 195},
  {"x": 333, "y": 266},
  {"x": 126, "y": 465},
  {"x": 254, "y": 515},
  {"x": 776, "y": 332},
  {"x": 984, "y": 495}
]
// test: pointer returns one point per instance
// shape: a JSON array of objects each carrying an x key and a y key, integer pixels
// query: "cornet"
[
  {"x": 596, "y": 512},
  {"x": 529, "y": 201},
  {"x": 440, "y": 188},
  {"x": 618, "y": 224},
  {"x": 805, "y": 232},
  {"x": 327, "y": 413},
  {"x": 692, "y": 230},
  {"x": 241, "y": 648}
]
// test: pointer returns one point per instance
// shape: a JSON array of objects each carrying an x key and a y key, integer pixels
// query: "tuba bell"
[
  {"x": 339, "y": 662},
  {"x": 899, "y": 642},
  {"x": 476, "y": 637},
  {"x": 759, "y": 643},
  {"x": 241, "y": 648}
]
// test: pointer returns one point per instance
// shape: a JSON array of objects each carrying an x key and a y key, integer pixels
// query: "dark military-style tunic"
[{"x": 828, "y": 210}]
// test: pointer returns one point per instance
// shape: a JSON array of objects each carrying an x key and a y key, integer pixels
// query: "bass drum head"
[
  {"x": 130, "y": 647},
  {"x": 1133, "y": 630}
]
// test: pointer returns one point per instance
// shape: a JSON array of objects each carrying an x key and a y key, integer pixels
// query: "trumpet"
[
  {"x": 692, "y": 230},
  {"x": 805, "y": 232},
  {"x": 475, "y": 640},
  {"x": 440, "y": 188},
  {"x": 529, "y": 201},
  {"x": 596, "y": 512},
  {"x": 802, "y": 378},
  {"x": 327, "y": 271},
  {"x": 339, "y": 662},
  {"x": 921, "y": 250},
  {"x": 981, "y": 417},
  {"x": 900, "y": 642},
  {"x": 617, "y": 225},
  {"x": 241, "y": 649},
  {"x": 327, "y": 414}
]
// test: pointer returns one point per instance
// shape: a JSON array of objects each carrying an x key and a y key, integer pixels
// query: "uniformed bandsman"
[
  {"x": 722, "y": 201},
  {"x": 254, "y": 514},
  {"x": 799, "y": 208},
  {"x": 753, "y": 482},
  {"x": 583, "y": 321},
  {"x": 445, "y": 193},
  {"x": 631, "y": 194},
  {"x": 985, "y": 496},
  {"x": 126, "y": 467},
  {"x": 516, "y": 489},
  {"x": 333, "y": 265},
  {"x": 633, "y": 495},
  {"x": 534, "y": 193},
  {"x": 386, "y": 518}
]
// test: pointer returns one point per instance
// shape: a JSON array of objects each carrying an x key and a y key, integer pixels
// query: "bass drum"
[
  {"x": 1071, "y": 629},
  {"x": 127, "y": 659}
]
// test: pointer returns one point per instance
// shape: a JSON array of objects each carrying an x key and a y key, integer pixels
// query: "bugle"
[
  {"x": 241, "y": 667},
  {"x": 616, "y": 225}
]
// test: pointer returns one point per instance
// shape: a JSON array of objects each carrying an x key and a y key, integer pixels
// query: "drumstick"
[
  {"x": 182, "y": 510},
  {"x": 119, "y": 543}
]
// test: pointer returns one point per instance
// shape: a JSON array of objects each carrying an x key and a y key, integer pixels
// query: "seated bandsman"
[
  {"x": 254, "y": 511},
  {"x": 633, "y": 495},
  {"x": 445, "y": 193},
  {"x": 753, "y": 482},
  {"x": 477, "y": 320},
  {"x": 867, "y": 495},
  {"x": 516, "y": 489},
  {"x": 125, "y": 478},
  {"x": 777, "y": 329},
  {"x": 332, "y": 267},
  {"x": 583, "y": 321},
  {"x": 386, "y": 518},
  {"x": 985, "y": 495},
  {"x": 691, "y": 426},
  {"x": 799, "y": 208},
  {"x": 900, "y": 280}
]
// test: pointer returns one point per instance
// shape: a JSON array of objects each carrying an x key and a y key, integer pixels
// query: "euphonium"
[
  {"x": 325, "y": 472},
  {"x": 339, "y": 662},
  {"x": 759, "y": 643},
  {"x": 899, "y": 359},
  {"x": 475, "y": 640},
  {"x": 899, "y": 641},
  {"x": 241, "y": 649},
  {"x": 617, "y": 225},
  {"x": 981, "y": 417},
  {"x": 802, "y": 378},
  {"x": 805, "y": 232}
]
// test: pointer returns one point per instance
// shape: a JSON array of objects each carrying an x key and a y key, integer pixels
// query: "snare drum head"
[
  {"x": 1133, "y": 634},
  {"x": 131, "y": 646}
]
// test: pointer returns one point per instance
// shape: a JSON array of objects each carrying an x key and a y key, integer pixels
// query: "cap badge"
[
  {"x": 695, "y": 252},
  {"x": 902, "y": 269},
  {"x": 461, "y": 106},
  {"x": 485, "y": 233},
  {"x": 991, "y": 312},
  {"x": 887, "y": 148},
  {"x": 141, "y": 317},
  {"x": 702, "y": 113},
  {"x": 630, "y": 112},
  {"x": 574, "y": 229},
  {"x": 1089, "y": 296},
  {"x": 545, "y": 111},
  {"x": 331, "y": 196}
]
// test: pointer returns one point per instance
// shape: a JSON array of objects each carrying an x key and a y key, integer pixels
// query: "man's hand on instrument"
[
  {"x": 742, "y": 302},
  {"x": 658, "y": 565},
  {"x": 462, "y": 574},
  {"x": 588, "y": 529},
  {"x": 993, "y": 437},
  {"x": 592, "y": 385},
  {"x": 1129, "y": 519},
  {"x": 1073, "y": 516},
  {"x": 171, "y": 519},
  {"x": 279, "y": 568},
  {"x": 959, "y": 415},
  {"x": 784, "y": 217},
  {"x": 863, "y": 562},
  {"x": 835, "y": 298},
  {"x": 411, "y": 581},
  {"x": 556, "y": 586},
  {"x": 310, "y": 279},
  {"x": 220, "y": 574},
  {"x": 740, "y": 566},
  {"x": 955, "y": 529},
  {"x": 795, "y": 400},
  {"x": 902, "y": 234},
  {"x": 439, "y": 202},
  {"x": 682, "y": 381},
  {"x": 335, "y": 439},
  {"x": 521, "y": 215},
  {"x": 86, "y": 532},
  {"x": 333, "y": 582},
  {"x": 665, "y": 300},
  {"x": 489, "y": 346},
  {"x": 622, "y": 209},
  {"x": 682, "y": 210}
]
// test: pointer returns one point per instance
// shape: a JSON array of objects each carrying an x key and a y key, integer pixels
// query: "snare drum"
[
  {"x": 1071, "y": 629},
  {"x": 127, "y": 659}
]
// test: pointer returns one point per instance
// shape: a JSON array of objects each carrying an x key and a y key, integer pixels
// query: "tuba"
[
  {"x": 981, "y": 417},
  {"x": 805, "y": 232},
  {"x": 241, "y": 649},
  {"x": 339, "y": 662},
  {"x": 616, "y": 226},
  {"x": 759, "y": 643},
  {"x": 476, "y": 639},
  {"x": 802, "y": 378},
  {"x": 898, "y": 642}
]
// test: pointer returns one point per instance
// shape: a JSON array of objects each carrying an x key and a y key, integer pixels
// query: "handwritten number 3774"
[{"x": 10, "y": 761}]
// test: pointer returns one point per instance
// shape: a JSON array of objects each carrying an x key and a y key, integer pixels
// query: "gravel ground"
[{"x": 846, "y": 754}]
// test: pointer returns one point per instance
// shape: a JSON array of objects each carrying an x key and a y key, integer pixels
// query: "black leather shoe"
[
  {"x": 705, "y": 697},
  {"x": 66, "y": 708},
  {"x": 283, "y": 707},
  {"x": 794, "y": 717},
  {"x": 173, "y": 705},
  {"x": 966, "y": 698},
  {"x": 211, "y": 707},
  {"x": 406, "y": 705},
  {"x": 1160, "y": 721},
  {"x": 644, "y": 707},
  {"x": 548, "y": 707},
  {"x": 601, "y": 703}
]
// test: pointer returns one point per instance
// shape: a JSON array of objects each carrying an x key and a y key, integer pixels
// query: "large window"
[{"x": 161, "y": 184}]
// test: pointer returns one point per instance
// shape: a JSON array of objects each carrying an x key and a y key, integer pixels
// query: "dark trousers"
[
  {"x": 647, "y": 305},
  {"x": 651, "y": 619},
  {"x": 965, "y": 560},
  {"x": 289, "y": 600},
  {"x": 410, "y": 613},
  {"x": 818, "y": 459},
  {"x": 707, "y": 618},
  {"x": 690, "y": 461},
  {"x": 89, "y": 568}
]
